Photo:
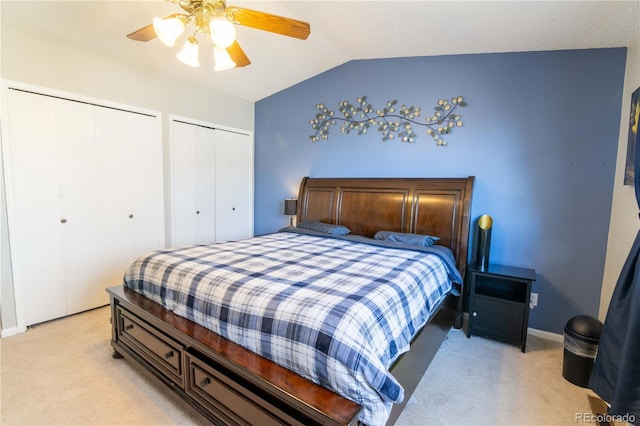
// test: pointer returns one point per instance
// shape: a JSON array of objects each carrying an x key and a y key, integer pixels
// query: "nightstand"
[{"x": 499, "y": 302}]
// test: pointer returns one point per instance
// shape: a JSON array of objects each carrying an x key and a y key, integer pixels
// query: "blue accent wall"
[{"x": 540, "y": 134}]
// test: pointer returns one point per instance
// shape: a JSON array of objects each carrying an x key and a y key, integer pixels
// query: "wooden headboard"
[{"x": 433, "y": 206}]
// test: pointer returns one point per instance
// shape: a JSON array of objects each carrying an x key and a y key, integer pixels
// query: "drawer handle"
[
  {"x": 204, "y": 382},
  {"x": 168, "y": 355},
  {"x": 129, "y": 327},
  {"x": 130, "y": 216},
  {"x": 475, "y": 314},
  {"x": 63, "y": 220}
]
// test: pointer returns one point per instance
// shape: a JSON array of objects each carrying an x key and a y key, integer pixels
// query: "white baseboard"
[
  {"x": 6, "y": 332},
  {"x": 545, "y": 335}
]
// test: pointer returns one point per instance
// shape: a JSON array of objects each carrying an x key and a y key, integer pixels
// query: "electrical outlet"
[{"x": 533, "y": 301}]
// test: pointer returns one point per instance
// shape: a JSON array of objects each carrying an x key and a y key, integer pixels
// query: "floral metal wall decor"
[{"x": 393, "y": 123}]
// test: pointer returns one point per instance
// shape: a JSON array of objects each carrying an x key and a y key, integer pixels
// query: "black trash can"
[{"x": 581, "y": 338}]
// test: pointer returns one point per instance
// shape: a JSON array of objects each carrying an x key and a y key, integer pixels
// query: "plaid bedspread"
[{"x": 335, "y": 311}]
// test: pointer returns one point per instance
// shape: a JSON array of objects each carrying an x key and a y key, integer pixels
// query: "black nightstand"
[{"x": 499, "y": 302}]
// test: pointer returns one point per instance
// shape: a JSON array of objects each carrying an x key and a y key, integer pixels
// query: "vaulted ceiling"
[{"x": 341, "y": 31}]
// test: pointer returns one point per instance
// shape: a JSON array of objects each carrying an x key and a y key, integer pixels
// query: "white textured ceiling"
[{"x": 340, "y": 31}]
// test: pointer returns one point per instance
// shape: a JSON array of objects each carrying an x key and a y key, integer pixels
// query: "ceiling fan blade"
[
  {"x": 148, "y": 33},
  {"x": 237, "y": 55},
  {"x": 267, "y": 22},
  {"x": 143, "y": 34}
]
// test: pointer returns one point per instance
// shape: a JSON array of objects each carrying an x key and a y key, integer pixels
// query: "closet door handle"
[
  {"x": 130, "y": 216},
  {"x": 198, "y": 212},
  {"x": 63, "y": 220}
]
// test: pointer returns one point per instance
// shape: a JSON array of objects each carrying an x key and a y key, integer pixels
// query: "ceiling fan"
[{"x": 216, "y": 19}]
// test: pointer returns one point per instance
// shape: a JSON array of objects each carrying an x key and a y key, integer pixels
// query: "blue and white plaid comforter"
[{"x": 335, "y": 311}]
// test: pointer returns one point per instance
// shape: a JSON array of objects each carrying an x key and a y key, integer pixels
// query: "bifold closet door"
[
  {"x": 52, "y": 149},
  {"x": 84, "y": 197},
  {"x": 130, "y": 204},
  {"x": 36, "y": 228},
  {"x": 205, "y": 184},
  {"x": 78, "y": 206},
  {"x": 234, "y": 186},
  {"x": 193, "y": 184}
]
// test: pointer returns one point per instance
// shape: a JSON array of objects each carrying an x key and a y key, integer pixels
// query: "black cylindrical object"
[
  {"x": 581, "y": 339},
  {"x": 483, "y": 246}
]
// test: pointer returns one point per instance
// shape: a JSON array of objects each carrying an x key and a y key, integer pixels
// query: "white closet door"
[
  {"x": 84, "y": 196},
  {"x": 35, "y": 228},
  {"x": 212, "y": 184},
  {"x": 183, "y": 176},
  {"x": 205, "y": 183},
  {"x": 114, "y": 198},
  {"x": 144, "y": 171},
  {"x": 130, "y": 198},
  {"x": 78, "y": 205},
  {"x": 234, "y": 186}
]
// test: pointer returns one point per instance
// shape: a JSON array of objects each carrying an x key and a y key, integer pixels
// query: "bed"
[{"x": 165, "y": 323}]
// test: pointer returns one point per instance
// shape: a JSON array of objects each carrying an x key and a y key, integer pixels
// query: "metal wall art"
[{"x": 392, "y": 122}]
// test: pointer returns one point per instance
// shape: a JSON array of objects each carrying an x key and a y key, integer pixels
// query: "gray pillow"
[
  {"x": 325, "y": 228},
  {"x": 403, "y": 237}
]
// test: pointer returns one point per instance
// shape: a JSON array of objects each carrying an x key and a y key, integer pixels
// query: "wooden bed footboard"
[
  {"x": 226, "y": 383},
  {"x": 230, "y": 385}
]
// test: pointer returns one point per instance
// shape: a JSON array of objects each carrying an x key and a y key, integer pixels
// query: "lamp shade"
[
  {"x": 223, "y": 33},
  {"x": 290, "y": 206},
  {"x": 222, "y": 58},
  {"x": 189, "y": 53},
  {"x": 168, "y": 30}
]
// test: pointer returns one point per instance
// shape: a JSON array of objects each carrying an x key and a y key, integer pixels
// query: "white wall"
[
  {"x": 624, "y": 210},
  {"x": 47, "y": 62}
]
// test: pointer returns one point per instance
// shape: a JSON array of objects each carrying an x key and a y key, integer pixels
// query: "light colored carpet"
[
  {"x": 62, "y": 373},
  {"x": 479, "y": 381}
]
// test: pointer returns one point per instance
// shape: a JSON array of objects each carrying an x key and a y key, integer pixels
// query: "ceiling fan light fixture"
[
  {"x": 222, "y": 59},
  {"x": 189, "y": 53},
  {"x": 168, "y": 30},
  {"x": 223, "y": 33},
  {"x": 217, "y": 20}
]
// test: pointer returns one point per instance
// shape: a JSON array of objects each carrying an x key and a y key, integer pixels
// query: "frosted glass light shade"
[
  {"x": 168, "y": 30},
  {"x": 222, "y": 58},
  {"x": 223, "y": 33},
  {"x": 189, "y": 53}
]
